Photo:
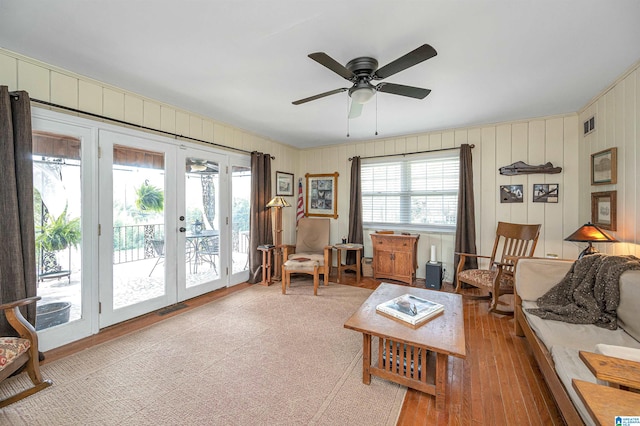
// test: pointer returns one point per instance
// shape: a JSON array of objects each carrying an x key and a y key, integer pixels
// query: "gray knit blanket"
[{"x": 589, "y": 293}]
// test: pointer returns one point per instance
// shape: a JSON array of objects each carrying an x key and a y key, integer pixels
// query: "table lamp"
[
  {"x": 590, "y": 233},
  {"x": 278, "y": 203}
]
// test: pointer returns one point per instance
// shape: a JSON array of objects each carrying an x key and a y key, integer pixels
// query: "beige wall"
[
  {"x": 537, "y": 141},
  {"x": 617, "y": 115}
]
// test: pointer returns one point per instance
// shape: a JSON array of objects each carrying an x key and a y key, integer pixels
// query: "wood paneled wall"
[
  {"x": 617, "y": 118},
  {"x": 537, "y": 141}
]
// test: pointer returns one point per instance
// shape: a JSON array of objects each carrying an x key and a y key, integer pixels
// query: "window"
[{"x": 418, "y": 193}]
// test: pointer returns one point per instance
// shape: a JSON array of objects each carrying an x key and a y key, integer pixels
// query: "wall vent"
[{"x": 589, "y": 125}]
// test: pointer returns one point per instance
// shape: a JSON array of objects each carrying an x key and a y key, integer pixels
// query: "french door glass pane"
[
  {"x": 202, "y": 246},
  {"x": 240, "y": 190},
  {"x": 57, "y": 215},
  {"x": 138, "y": 226}
]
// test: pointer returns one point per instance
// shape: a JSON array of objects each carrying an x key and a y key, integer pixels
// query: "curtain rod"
[
  {"x": 411, "y": 153},
  {"x": 126, "y": 123}
]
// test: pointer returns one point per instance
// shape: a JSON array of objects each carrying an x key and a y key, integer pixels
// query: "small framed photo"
[
  {"x": 322, "y": 195},
  {"x": 604, "y": 167},
  {"x": 511, "y": 194},
  {"x": 545, "y": 192},
  {"x": 604, "y": 209},
  {"x": 284, "y": 183}
]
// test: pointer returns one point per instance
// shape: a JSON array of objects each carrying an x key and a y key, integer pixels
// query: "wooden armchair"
[
  {"x": 16, "y": 352},
  {"x": 312, "y": 245},
  {"x": 512, "y": 242}
]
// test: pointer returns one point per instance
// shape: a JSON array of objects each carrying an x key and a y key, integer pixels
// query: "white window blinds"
[{"x": 420, "y": 192}]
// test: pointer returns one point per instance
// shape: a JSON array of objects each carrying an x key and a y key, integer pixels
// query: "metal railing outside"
[{"x": 133, "y": 242}]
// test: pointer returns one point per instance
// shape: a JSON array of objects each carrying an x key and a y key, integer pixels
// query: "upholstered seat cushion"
[
  {"x": 11, "y": 348},
  {"x": 483, "y": 278},
  {"x": 318, "y": 257},
  {"x": 296, "y": 265}
]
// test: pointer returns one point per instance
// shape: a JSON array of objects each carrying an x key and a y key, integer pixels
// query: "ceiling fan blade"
[
  {"x": 412, "y": 58},
  {"x": 355, "y": 110},
  {"x": 399, "y": 89},
  {"x": 327, "y": 61},
  {"x": 321, "y": 95}
]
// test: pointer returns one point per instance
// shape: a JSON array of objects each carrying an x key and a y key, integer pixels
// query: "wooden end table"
[
  {"x": 413, "y": 357},
  {"x": 357, "y": 267},
  {"x": 621, "y": 373},
  {"x": 267, "y": 256},
  {"x": 605, "y": 403}
]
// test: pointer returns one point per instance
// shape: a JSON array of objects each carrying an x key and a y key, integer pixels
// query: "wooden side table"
[
  {"x": 605, "y": 403},
  {"x": 267, "y": 256},
  {"x": 621, "y": 373},
  {"x": 357, "y": 267}
]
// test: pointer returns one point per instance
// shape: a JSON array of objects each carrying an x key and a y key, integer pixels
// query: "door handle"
[{"x": 182, "y": 229}]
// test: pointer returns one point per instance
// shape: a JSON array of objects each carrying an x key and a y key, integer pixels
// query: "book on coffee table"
[{"x": 410, "y": 309}]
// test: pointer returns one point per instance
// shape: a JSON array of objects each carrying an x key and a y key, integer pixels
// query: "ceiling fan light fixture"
[
  {"x": 198, "y": 167},
  {"x": 362, "y": 95}
]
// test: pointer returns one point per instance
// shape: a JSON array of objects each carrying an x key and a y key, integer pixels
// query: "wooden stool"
[{"x": 296, "y": 267}]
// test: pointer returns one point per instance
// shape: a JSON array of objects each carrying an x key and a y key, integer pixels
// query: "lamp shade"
[
  {"x": 590, "y": 233},
  {"x": 278, "y": 202}
]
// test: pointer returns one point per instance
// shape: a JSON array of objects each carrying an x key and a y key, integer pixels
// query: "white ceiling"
[{"x": 244, "y": 61}]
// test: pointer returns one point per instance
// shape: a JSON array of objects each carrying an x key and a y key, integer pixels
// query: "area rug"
[{"x": 255, "y": 357}]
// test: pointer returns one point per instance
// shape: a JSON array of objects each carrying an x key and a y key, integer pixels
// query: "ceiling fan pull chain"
[
  {"x": 376, "y": 114},
  {"x": 347, "y": 116}
]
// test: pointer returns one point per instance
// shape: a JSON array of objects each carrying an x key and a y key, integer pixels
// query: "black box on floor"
[{"x": 433, "y": 276}]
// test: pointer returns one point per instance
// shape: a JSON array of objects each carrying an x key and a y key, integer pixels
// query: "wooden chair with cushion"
[
  {"x": 512, "y": 242},
  {"x": 312, "y": 247},
  {"x": 16, "y": 352}
]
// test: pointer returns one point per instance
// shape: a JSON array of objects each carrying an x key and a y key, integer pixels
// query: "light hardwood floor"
[{"x": 499, "y": 383}]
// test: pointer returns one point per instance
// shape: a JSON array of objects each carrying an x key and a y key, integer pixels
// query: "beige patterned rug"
[{"x": 255, "y": 357}]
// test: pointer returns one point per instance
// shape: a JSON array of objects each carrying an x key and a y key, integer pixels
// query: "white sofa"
[{"x": 556, "y": 344}]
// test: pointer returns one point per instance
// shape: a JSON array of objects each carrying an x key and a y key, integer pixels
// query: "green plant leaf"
[{"x": 150, "y": 198}]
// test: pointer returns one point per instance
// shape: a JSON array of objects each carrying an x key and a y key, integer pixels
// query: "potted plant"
[
  {"x": 150, "y": 198},
  {"x": 56, "y": 234},
  {"x": 59, "y": 233}
]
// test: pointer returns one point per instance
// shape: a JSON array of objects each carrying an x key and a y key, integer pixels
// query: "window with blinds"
[{"x": 419, "y": 193}]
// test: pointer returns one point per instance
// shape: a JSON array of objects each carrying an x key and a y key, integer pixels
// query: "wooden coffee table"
[{"x": 416, "y": 358}]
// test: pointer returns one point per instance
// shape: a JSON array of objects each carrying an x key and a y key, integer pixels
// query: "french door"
[
  {"x": 137, "y": 223},
  {"x": 153, "y": 223},
  {"x": 202, "y": 222},
  {"x": 65, "y": 200}
]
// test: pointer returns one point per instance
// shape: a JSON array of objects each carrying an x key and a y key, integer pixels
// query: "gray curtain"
[
  {"x": 17, "y": 256},
  {"x": 356, "y": 234},
  {"x": 466, "y": 222},
  {"x": 260, "y": 215}
]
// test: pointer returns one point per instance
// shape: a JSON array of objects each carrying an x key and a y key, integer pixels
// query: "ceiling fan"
[
  {"x": 362, "y": 70},
  {"x": 195, "y": 165}
]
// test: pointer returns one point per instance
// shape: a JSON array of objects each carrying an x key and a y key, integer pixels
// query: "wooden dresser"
[{"x": 395, "y": 256}]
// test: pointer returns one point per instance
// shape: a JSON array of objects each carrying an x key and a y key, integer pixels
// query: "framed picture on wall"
[
  {"x": 604, "y": 167},
  {"x": 604, "y": 209},
  {"x": 545, "y": 192},
  {"x": 511, "y": 194},
  {"x": 322, "y": 195},
  {"x": 284, "y": 183}
]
